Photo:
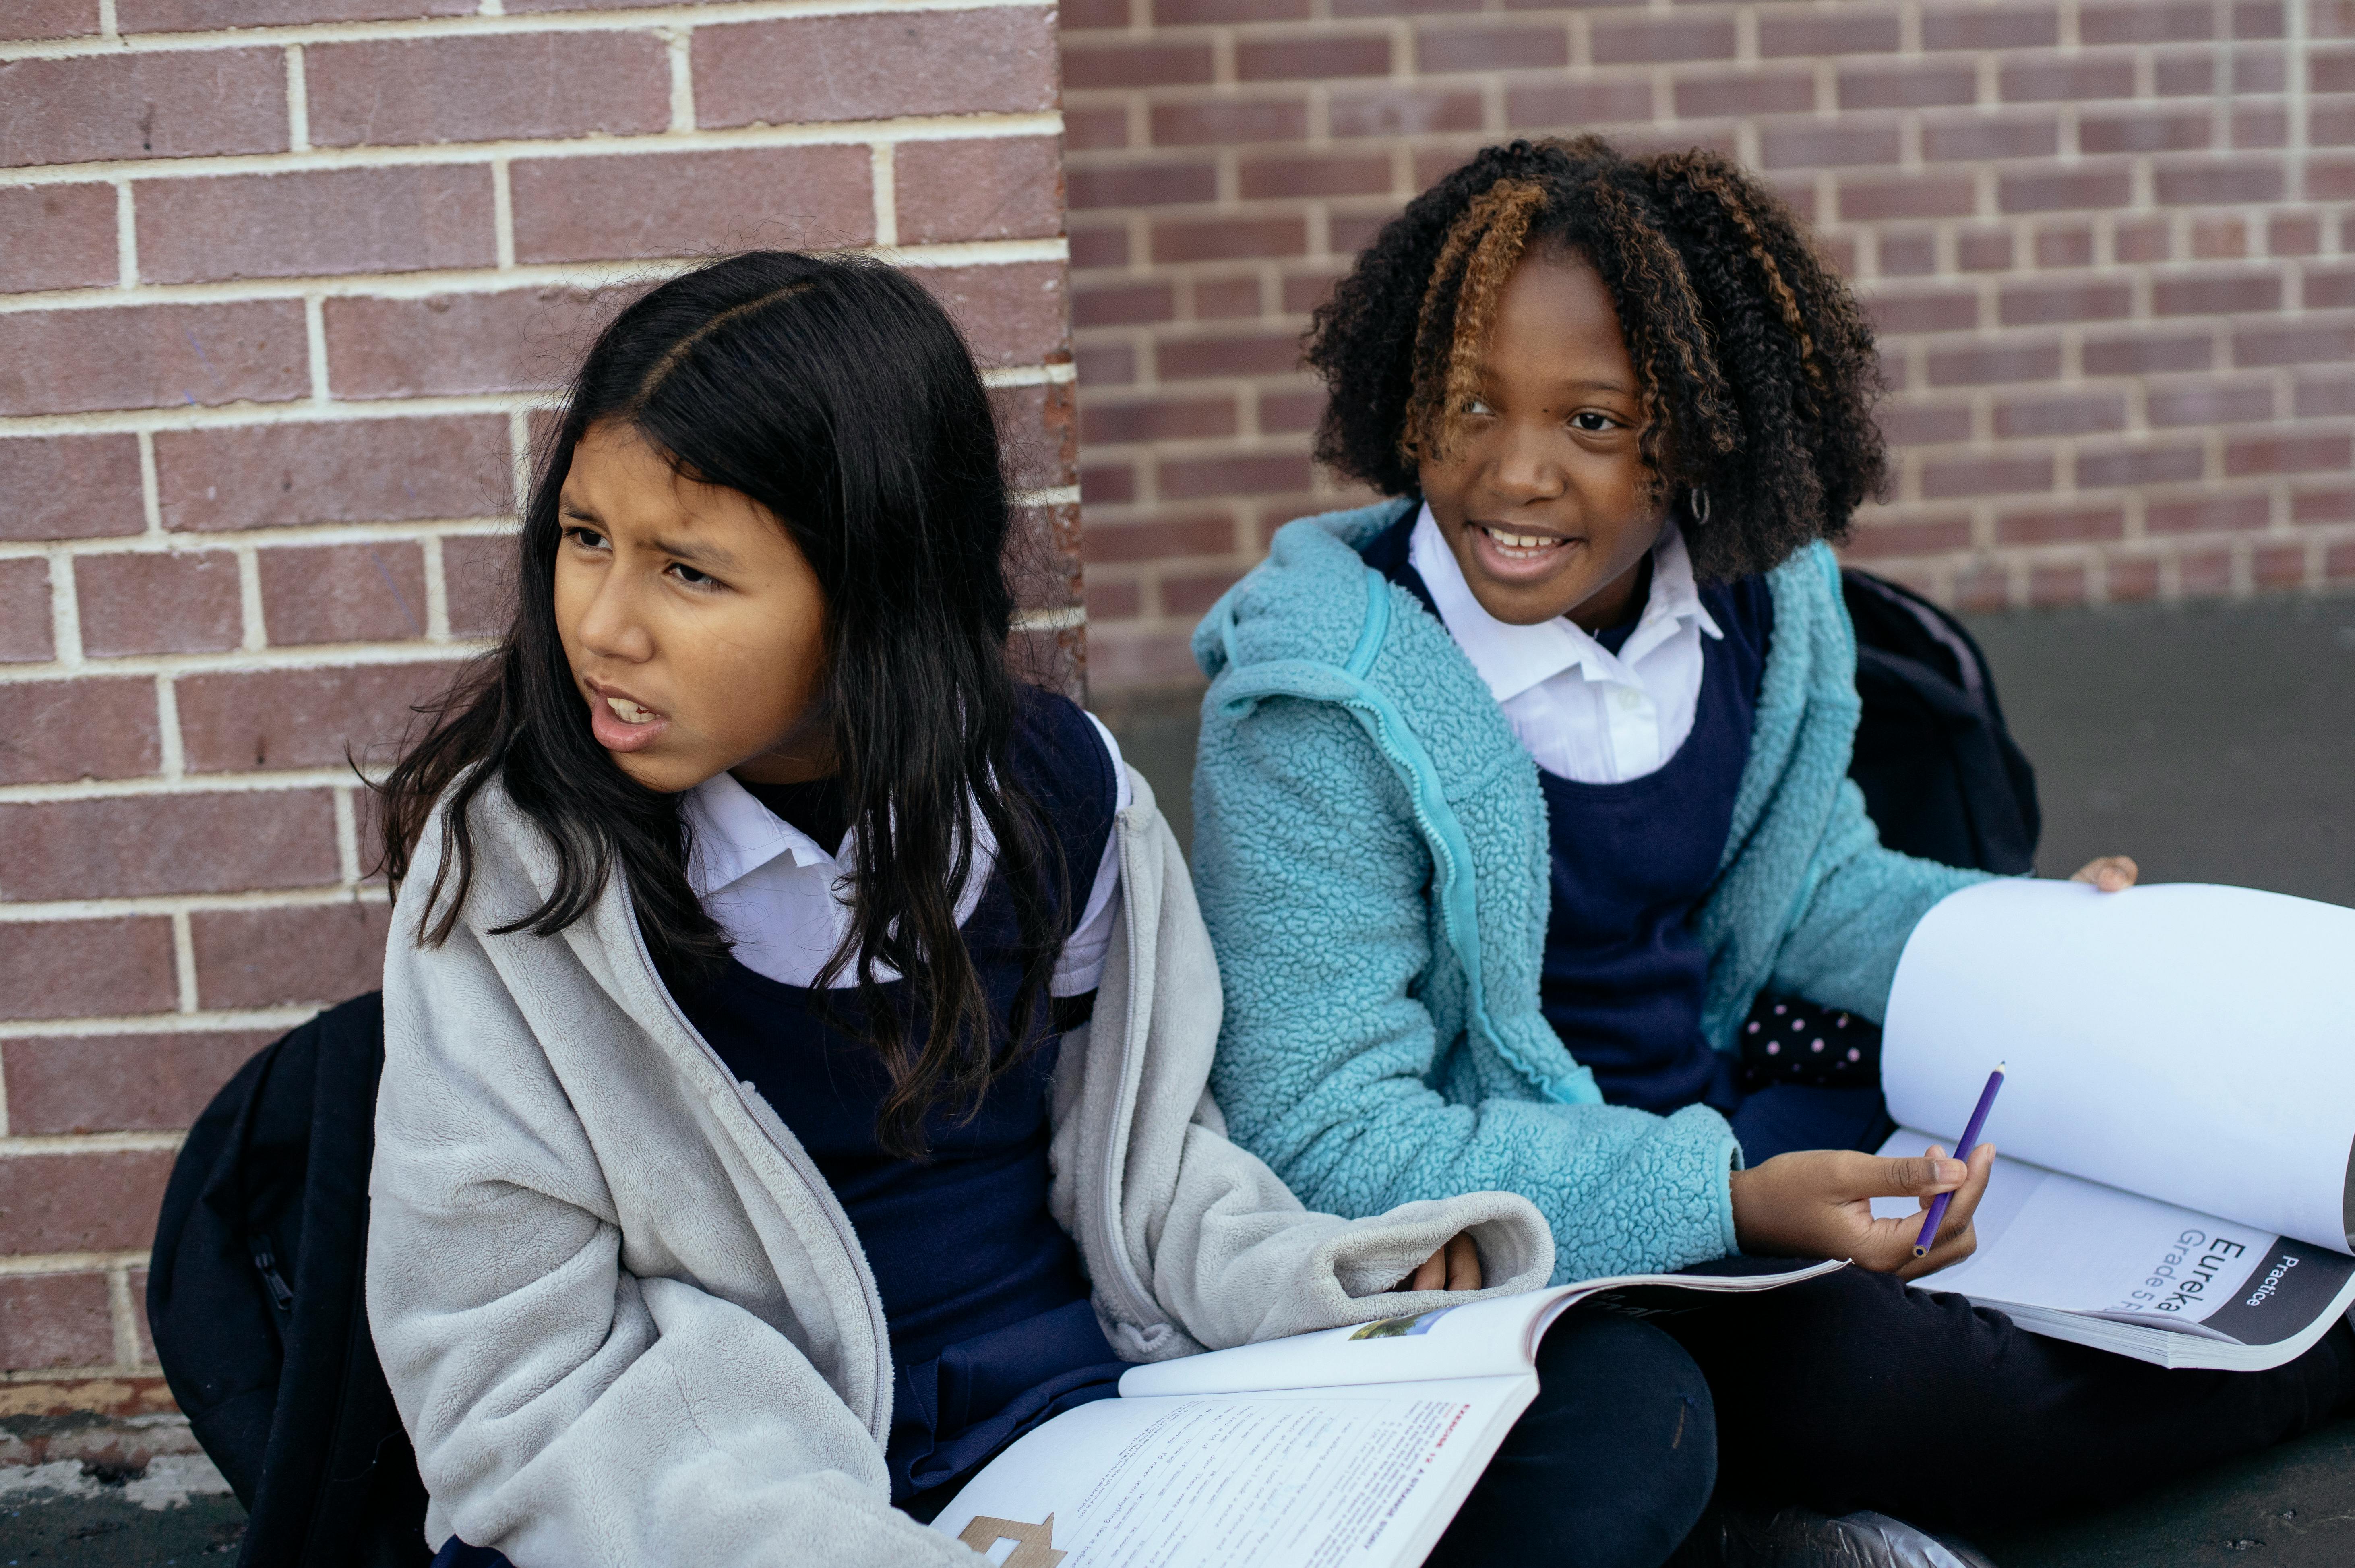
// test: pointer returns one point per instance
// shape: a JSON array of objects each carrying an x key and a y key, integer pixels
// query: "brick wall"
[
  {"x": 2104, "y": 239},
  {"x": 279, "y": 301}
]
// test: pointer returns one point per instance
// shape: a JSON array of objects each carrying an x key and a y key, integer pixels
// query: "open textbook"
[
  {"x": 2177, "y": 1123},
  {"x": 1348, "y": 1448}
]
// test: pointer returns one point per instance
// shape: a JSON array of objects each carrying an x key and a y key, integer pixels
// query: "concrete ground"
[{"x": 2212, "y": 742}]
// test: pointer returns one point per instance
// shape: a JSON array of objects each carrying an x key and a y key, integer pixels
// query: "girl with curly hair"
[{"x": 1526, "y": 841}]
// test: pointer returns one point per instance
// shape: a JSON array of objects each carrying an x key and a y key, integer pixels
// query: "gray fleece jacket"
[{"x": 625, "y": 1321}]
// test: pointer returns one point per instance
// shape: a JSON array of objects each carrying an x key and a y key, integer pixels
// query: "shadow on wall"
[{"x": 2213, "y": 742}]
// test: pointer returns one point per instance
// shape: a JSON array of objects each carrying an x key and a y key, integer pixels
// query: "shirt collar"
[
  {"x": 731, "y": 835},
  {"x": 1511, "y": 659}
]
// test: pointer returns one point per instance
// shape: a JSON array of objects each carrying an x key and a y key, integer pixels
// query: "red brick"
[
  {"x": 2145, "y": 352},
  {"x": 1347, "y": 233},
  {"x": 2215, "y": 296},
  {"x": 76, "y": 968},
  {"x": 1405, "y": 112},
  {"x": 1087, "y": 66},
  {"x": 2064, "y": 247},
  {"x": 2077, "y": 526},
  {"x": 2008, "y": 474},
  {"x": 1324, "y": 56},
  {"x": 1225, "y": 121},
  {"x": 321, "y": 221},
  {"x": 1197, "y": 478},
  {"x": 30, "y": 19},
  {"x": 80, "y": 1202},
  {"x": 120, "y": 1083},
  {"x": 1165, "y": 418},
  {"x": 1114, "y": 601},
  {"x": 877, "y": 67},
  {"x": 57, "y": 237},
  {"x": 2208, "y": 514},
  {"x": 1982, "y": 587},
  {"x": 1365, "y": 175},
  {"x": 2260, "y": 127},
  {"x": 85, "y": 728},
  {"x": 180, "y": 602},
  {"x": 70, "y": 486},
  {"x": 2258, "y": 71},
  {"x": 1984, "y": 251},
  {"x": 238, "y": 720},
  {"x": 2209, "y": 404},
  {"x": 206, "y": 16},
  {"x": 1108, "y": 484},
  {"x": 2053, "y": 583},
  {"x": 1191, "y": 593},
  {"x": 1742, "y": 92},
  {"x": 2277, "y": 566},
  {"x": 1827, "y": 147},
  {"x": 2338, "y": 562},
  {"x": 1852, "y": 31},
  {"x": 2131, "y": 578},
  {"x": 1944, "y": 310},
  {"x": 1916, "y": 424},
  {"x": 1094, "y": 129},
  {"x": 1907, "y": 255},
  {"x": 157, "y": 356},
  {"x": 1916, "y": 196},
  {"x": 2205, "y": 571},
  {"x": 1076, "y": 15},
  {"x": 1910, "y": 87},
  {"x": 1430, "y": 7},
  {"x": 2147, "y": 22},
  {"x": 343, "y": 593},
  {"x": 2258, "y": 19},
  {"x": 1222, "y": 238},
  {"x": 2333, "y": 397},
  {"x": 1123, "y": 305},
  {"x": 1226, "y": 299},
  {"x": 385, "y": 92},
  {"x": 1105, "y": 365},
  {"x": 2219, "y": 183},
  {"x": 2329, "y": 179},
  {"x": 174, "y": 104},
  {"x": 2037, "y": 303},
  {"x": 1491, "y": 48},
  {"x": 268, "y": 957},
  {"x": 2030, "y": 417},
  {"x": 56, "y": 1320},
  {"x": 478, "y": 583},
  {"x": 2064, "y": 80},
  {"x": 2322, "y": 506},
  {"x": 688, "y": 204},
  {"x": 24, "y": 635},
  {"x": 1980, "y": 364},
  {"x": 1039, "y": 427},
  {"x": 515, "y": 340},
  {"x": 281, "y": 475},
  {"x": 1192, "y": 359},
  {"x": 137, "y": 845},
  {"x": 2103, "y": 469},
  {"x": 1157, "y": 183},
  {"x": 2331, "y": 70},
  {"x": 1010, "y": 314},
  {"x": 1212, "y": 533},
  {"x": 2286, "y": 454},
  {"x": 989, "y": 188},
  {"x": 1937, "y": 536},
  {"x": 1304, "y": 292},
  {"x": 1282, "y": 412},
  {"x": 2143, "y": 241},
  {"x": 1963, "y": 141},
  {"x": 1656, "y": 42},
  {"x": 2055, "y": 191},
  {"x": 1954, "y": 27}
]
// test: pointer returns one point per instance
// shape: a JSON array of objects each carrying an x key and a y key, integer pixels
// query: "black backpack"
[
  {"x": 254, "y": 1299},
  {"x": 1941, "y": 775}
]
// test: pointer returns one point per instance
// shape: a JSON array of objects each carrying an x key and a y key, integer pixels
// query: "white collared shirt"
[
  {"x": 1581, "y": 710},
  {"x": 772, "y": 887}
]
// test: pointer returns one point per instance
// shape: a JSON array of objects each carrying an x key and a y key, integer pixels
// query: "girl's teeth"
[
  {"x": 1520, "y": 541},
  {"x": 628, "y": 711}
]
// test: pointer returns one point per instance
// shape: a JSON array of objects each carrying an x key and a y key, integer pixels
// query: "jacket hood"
[{"x": 1306, "y": 600}]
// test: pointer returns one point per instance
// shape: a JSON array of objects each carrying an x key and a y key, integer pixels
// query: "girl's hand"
[
  {"x": 1818, "y": 1204},
  {"x": 1455, "y": 1267},
  {"x": 2111, "y": 873}
]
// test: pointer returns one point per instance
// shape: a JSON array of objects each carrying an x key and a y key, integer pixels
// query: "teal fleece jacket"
[{"x": 1371, "y": 857}]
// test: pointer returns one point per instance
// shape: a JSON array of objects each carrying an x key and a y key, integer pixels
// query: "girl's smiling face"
[
  {"x": 695, "y": 629},
  {"x": 1546, "y": 500}
]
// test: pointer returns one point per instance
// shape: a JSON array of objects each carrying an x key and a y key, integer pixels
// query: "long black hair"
[
  {"x": 1759, "y": 374},
  {"x": 837, "y": 394}
]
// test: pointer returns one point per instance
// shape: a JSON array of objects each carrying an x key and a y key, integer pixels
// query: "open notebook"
[
  {"x": 2177, "y": 1126},
  {"x": 1348, "y": 1448}
]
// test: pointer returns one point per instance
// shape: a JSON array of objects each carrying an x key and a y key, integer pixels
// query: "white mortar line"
[
  {"x": 487, "y": 22},
  {"x": 735, "y": 138},
  {"x": 502, "y": 215},
  {"x": 437, "y": 591},
  {"x": 92, "y": 1143},
  {"x": 323, "y": 656},
  {"x": 176, "y": 784},
  {"x": 882, "y": 180},
  {"x": 151, "y": 491},
  {"x": 172, "y": 757},
  {"x": 519, "y": 452},
  {"x": 3, "y": 1093},
  {"x": 298, "y": 101},
  {"x": 314, "y": 338},
  {"x": 180, "y": 906},
  {"x": 65, "y": 613},
  {"x": 491, "y": 8},
  {"x": 184, "y": 947},
  {"x": 126, "y": 1325},
  {"x": 126, "y": 237},
  {"x": 163, "y": 543},
  {"x": 347, "y": 837},
  {"x": 106, "y": 22},
  {"x": 69, "y": 1262},
  {"x": 1067, "y": 618},
  {"x": 678, "y": 44},
  {"x": 580, "y": 276},
  {"x": 161, "y": 1025},
  {"x": 249, "y": 598}
]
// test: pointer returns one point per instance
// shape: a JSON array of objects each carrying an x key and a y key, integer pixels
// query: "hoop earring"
[{"x": 1697, "y": 505}]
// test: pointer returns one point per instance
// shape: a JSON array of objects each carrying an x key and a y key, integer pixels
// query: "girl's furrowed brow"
[{"x": 700, "y": 553}]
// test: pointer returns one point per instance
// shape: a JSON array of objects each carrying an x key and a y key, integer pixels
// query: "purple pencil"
[{"x": 1937, "y": 1214}]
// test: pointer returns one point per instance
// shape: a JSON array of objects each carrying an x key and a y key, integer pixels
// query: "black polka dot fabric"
[{"x": 1786, "y": 1041}]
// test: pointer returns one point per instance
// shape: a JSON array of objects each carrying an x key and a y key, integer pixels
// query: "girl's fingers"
[
  {"x": 1462, "y": 1263},
  {"x": 1926, "y": 1177},
  {"x": 2111, "y": 873},
  {"x": 1429, "y": 1275}
]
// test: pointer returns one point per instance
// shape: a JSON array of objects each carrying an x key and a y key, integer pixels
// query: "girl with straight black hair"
[{"x": 748, "y": 1168}]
